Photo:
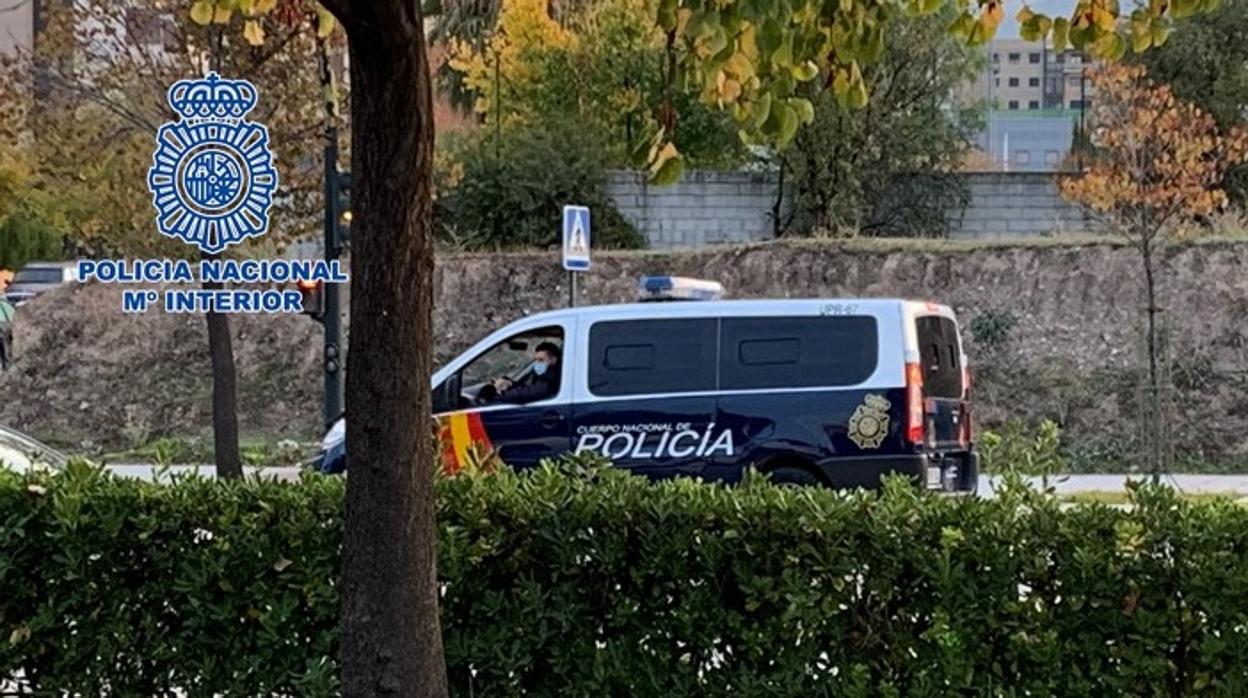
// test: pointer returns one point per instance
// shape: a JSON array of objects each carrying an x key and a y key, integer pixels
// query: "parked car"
[
  {"x": 20, "y": 452},
  {"x": 6, "y": 333},
  {"x": 834, "y": 392},
  {"x": 38, "y": 277}
]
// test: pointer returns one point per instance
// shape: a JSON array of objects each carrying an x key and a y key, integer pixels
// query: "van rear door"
[{"x": 945, "y": 407}]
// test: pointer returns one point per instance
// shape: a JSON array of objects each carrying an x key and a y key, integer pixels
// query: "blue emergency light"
[{"x": 677, "y": 288}]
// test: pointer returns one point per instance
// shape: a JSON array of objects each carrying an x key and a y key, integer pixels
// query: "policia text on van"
[{"x": 834, "y": 392}]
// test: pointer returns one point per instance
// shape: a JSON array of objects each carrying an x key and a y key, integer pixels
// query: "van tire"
[{"x": 793, "y": 477}]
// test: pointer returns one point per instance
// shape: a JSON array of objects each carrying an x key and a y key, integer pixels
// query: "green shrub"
[
  {"x": 991, "y": 328},
  {"x": 598, "y": 583},
  {"x": 23, "y": 239},
  {"x": 512, "y": 188},
  {"x": 1015, "y": 447}
]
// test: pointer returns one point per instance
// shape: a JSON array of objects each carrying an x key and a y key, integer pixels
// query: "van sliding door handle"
[{"x": 550, "y": 419}]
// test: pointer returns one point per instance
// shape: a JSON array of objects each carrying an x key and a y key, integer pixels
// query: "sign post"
[{"x": 576, "y": 245}]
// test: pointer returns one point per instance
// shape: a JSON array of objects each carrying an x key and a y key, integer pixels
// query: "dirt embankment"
[{"x": 86, "y": 372}]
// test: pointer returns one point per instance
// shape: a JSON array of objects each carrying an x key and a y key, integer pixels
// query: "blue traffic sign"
[{"x": 576, "y": 239}]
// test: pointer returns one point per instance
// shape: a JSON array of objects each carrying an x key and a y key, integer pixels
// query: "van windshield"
[{"x": 941, "y": 356}]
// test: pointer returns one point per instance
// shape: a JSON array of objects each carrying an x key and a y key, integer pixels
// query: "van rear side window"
[
  {"x": 941, "y": 356},
  {"x": 797, "y": 352},
  {"x": 648, "y": 357}
]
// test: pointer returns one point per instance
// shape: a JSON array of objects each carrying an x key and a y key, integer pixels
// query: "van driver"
[{"x": 540, "y": 383}]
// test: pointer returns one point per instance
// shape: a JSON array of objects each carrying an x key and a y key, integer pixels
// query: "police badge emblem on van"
[{"x": 869, "y": 423}]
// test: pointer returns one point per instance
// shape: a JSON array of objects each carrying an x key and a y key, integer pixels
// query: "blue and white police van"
[{"x": 834, "y": 392}]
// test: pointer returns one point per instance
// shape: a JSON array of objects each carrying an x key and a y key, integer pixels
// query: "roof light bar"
[{"x": 677, "y": 288}]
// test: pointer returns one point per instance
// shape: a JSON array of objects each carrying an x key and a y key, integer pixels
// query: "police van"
[{"x": 835, "y": 392}]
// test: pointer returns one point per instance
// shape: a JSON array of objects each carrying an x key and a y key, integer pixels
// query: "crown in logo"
[
  {"x": 876, "y": 402},
  {"x": 212, "y": 99}
]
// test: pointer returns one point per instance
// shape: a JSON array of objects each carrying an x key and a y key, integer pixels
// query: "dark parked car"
[{"x": 39, "y": 277}]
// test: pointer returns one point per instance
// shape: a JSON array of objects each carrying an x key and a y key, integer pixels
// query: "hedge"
[{"x": 598, "y": 583}]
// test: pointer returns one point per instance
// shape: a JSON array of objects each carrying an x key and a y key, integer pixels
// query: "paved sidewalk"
[{"x": 1186, "y": 483}]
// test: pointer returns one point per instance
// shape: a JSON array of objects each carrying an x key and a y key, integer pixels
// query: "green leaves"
[
  {"x": 1061, "y": 34},
  {"x": 850, "y": 88},
  {"x": 577, "y": 574},
  {"x": 222, "y": 11},
  {"x": 202, "y": 11},
  {"x": 667, "y": 166},
  {"x": 796, "y": 40},
  {"x": 667, "y": 15},
  {"x": 1031, "y": 26}
]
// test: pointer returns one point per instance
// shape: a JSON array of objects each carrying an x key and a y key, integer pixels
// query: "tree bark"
[
  {"x": 1153, "y": 423},
  {"x": 224, "y": 392},
  {"x": 391, "y": 643}
]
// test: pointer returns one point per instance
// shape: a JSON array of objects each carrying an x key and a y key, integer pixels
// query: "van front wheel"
[{"x": 793, "y": 477}]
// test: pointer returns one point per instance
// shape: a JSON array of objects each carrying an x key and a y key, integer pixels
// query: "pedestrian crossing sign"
[{"x": 576, "y": 240}]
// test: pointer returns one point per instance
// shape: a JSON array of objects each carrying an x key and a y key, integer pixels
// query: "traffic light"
[
  {"x": 312, "y": 294},
  {"x": 337, "y": 211},
  {"x": 343, "y": 207}
]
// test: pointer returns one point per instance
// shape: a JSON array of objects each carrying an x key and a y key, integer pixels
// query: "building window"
[
  {"x": 1013, "y": 104},
  {"x": 996, "y": 82},
  {"x": 1078, "y": 104},
  {"x": 1033, "y": 58},
  {"x": 1033, "y": 82},
  {"x": 1033, "y": 104},
  {"x": 1013, "y": 82},
  {"x": 1014, "y": 57},
  {"x": 996, "y": 58},
  {"x": 1051, "y": 157},
  {"x": 1060, "y": 58},
  {"x": 1022, "y": 157}
]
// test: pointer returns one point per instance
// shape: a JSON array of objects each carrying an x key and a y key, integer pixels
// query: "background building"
[
  {"x": 1028, "y": 141},
  {"x": 1038, "y": 100},
  {"x": 17, "y": 26}
]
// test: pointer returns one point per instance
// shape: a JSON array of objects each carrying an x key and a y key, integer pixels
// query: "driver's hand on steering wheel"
[{"x": 503, "y": 383}]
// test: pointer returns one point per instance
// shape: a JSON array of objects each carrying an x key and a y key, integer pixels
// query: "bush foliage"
[
  {"x": 890, "y": 168},
  {"x": 597, "y": 583},
  {"x": 511, "y": 189}
]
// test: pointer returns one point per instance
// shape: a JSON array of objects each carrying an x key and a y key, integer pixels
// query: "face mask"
[{"x": 539, "y": 368}]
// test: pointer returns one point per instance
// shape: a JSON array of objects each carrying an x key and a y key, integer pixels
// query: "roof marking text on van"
[{"x": 838, "y": 309}]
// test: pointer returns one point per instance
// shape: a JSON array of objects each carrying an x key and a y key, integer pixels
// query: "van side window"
[
  {"x": 942, "y": 362},
  {"x": 796, "y": 352},
  {"x": 647, "y": 357}
]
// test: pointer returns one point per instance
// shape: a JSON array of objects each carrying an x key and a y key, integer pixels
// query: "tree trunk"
[
  {"x": 1152, "y": 424},
  {"x": 391, "y": 643},
  {"x": 224, "y": 392}
]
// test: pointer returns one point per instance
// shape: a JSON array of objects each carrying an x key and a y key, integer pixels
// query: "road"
[
  {"x": 1185, "y": 483},
  {"x": 151, "y": 471}
]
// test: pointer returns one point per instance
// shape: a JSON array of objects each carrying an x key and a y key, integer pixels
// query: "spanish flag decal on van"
[{"x": 463, "y": 441}]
